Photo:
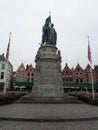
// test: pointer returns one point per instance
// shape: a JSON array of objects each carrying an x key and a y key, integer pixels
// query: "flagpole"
[
  {"x": 7, "y": 58},
  {"x": 5, "y": 84},
  {"x": 93, "y": 94},
  {"x": 90, "y": 60}
]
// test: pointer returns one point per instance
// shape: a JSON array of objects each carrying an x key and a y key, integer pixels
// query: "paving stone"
[
  {"x": 12, "y": 125},
  {"x": 49, "y": 110}
]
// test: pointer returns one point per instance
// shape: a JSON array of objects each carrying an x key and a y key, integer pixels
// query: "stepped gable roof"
[
  {"x": 66, "y": 67},
  {"x": 78, "y": 67},
  {"x": 87, "y": 69},
  {"x": 29, "y": 67}
]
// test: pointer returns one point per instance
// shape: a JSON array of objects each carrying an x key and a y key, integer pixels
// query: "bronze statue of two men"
[{"x": 49, "y": 35}]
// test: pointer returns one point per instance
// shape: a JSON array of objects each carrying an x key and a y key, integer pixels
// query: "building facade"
[
  {"x": 30, "y": 73},
  {"x": 96, "y": 72},
  {"x": 21, "y": 74},
  {"x": 6, "y": 72},
  {"x": 79, "y": 75},
  {"x": 87, "y": 75},
  {"x": 67, "y": 74},
  {"x": 23, "y": 78},
  {"x": 72, "y": 77}
]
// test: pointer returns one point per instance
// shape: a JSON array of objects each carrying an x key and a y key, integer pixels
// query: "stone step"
[{"x": 35, "y": 99}]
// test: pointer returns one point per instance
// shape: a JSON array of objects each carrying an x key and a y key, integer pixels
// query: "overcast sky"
[{"x": 74, "y": 20}]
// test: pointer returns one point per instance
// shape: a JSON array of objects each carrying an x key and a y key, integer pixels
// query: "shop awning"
[{"x": 26, "y": 84}]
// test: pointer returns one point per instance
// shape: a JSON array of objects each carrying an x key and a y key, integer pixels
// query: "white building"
[{"x": 6, "y": 72}]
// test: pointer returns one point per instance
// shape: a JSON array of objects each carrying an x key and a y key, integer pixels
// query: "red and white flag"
[
  {"x": 8, "y": 47},
  {"x": 89, "y": 52}
]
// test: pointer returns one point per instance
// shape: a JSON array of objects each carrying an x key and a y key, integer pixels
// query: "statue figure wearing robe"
[{"x": 49, "y": 35}]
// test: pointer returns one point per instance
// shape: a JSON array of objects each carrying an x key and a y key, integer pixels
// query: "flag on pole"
[
  {"x": 89, "y": 52},
  {"x": 90, "y": 60},
  {"x": 8, "y": 47}
]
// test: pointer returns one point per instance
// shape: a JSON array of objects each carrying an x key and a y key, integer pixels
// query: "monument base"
[
  {"x": 48, "y": 85},
  {"x": 37, "y": 99},
  {"x": 47, "y": 77}
]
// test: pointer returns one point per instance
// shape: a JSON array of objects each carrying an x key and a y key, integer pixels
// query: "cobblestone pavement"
[
  {"x": 48, "y": 111},
  {"x": 37, "y": 111},
  {"x": 13, "y": 125}
]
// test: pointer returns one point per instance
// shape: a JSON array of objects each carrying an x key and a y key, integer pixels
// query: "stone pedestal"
[
  {"x": 48, "y": 86},
  {"x": 47, "y": 78}
]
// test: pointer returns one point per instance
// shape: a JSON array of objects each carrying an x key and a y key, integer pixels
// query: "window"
[
  {"x": 2, "y": 75},
  {"x": 77, "y": 80},
  {"x": 87, "y": 80},
  {"x": 66, "y": 72},
  {"x": 3, "y": 66},
  {"x": 87, "y": 75},
  {"x": 28, "y": 74}
]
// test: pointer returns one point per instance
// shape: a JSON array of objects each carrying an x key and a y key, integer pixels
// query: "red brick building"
[
  {"x": 87, "y": 75},
  {"x": 67, "y": 74},
  {"x": 30, "y": 73},
  {"x": 24, "y": 77},
  {"x": 78, "y": 75},
  {"x": 96, "y": 72}
]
